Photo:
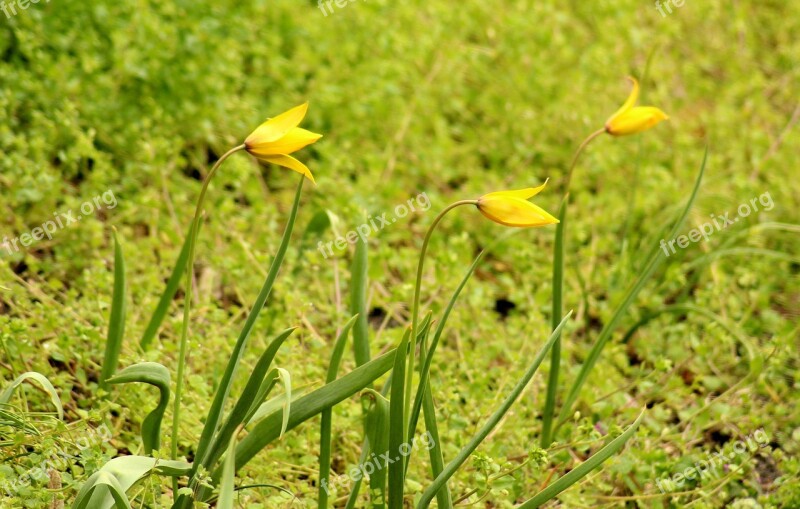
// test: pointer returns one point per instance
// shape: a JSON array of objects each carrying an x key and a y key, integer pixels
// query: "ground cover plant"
[{"x": 450, "y": 296}]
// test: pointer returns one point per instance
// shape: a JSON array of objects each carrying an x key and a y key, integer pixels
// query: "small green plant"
[{"x": 391, "y": 416}]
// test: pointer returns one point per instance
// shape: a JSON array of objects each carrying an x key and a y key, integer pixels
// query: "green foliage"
[{"x": 140, "y": 98}]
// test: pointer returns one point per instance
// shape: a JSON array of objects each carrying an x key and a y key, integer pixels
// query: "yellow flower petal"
[
  {"x": 635, "y": 121},
  {"x": 276, "y": 128},
  {"x": 513, "y": 211},
  {"x": 522, "y": 194},
  {"x": 631, "y": 102},
  {"x": 293, "y": 141},
  {"x": 631, "y": 119},
  {"x": 288, "y": 162}
]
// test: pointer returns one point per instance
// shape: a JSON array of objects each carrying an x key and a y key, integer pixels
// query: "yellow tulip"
[
  {"x": 278, "y": 137},
  {"x": 632, "y": 119},
  {"x": 512, "y": 208}
]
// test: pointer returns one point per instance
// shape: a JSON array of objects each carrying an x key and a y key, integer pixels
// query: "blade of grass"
[
  {"x": 494, "y": 420},
  {"x": 227, "y": 486},
  {"x": 268, "y": 429},
  {"x": 5, "y": 397},
  {"x": 308, "y": 406},
  {"x": 655, "y": 260},
  {"x": 116, "y": 324},
  {"x": 215, "y": 413},
  {"x": 248, "y": 403},
  {"x": 326, "y": 421},
  {"x": 154, "y": 374},
  {"x": 557, "y": 310},
  {"x": 376, "y": 427},
  {"x": 365, "y": 451},
  {"x": 397, "y": 423},
  {"x": 173, "y": 283},
  {"x": 358, "y": 302},
  {"x": 582, "y": 470}
]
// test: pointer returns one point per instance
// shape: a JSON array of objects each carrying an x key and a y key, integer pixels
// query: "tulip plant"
[{"x": 392, "y": 414}]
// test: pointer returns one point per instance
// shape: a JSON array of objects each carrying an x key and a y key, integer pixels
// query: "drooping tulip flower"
[
  {"x": 275, "y": 139},
  {"x": 632, "y": 119},
  {"x": 512, "y": 208}
]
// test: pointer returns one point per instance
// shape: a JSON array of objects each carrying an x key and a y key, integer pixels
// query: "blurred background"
[{"x": 126, "y": 104}]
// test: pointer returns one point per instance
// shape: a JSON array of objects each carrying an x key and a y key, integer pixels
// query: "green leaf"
[
  {"x": 158, "y": 376},
  {"x": 557, "y": 311},
  {"x": 5, "y": 397},
  {"x": 655, "y": 260},
  {"x": 397, "y": 423},
  {"x": 358, "y": 302},
  {"x": 227, "y": 487},
  {"x": 326, "y": 421},
  {"x": 267, "y": 430},
  {"x": 582, "y": 470},
  {"x": 221, "y": 396},
  {"x": 247, "y": 404},
  {"x": 494, "y": 420},
  {"x": 116, "y": 325},
  {"x": 376, "y": 429},
  {"x": 107, "y": 487},
  {"x": 286, "y": 407},
  {"x": 173, "y": 283}
]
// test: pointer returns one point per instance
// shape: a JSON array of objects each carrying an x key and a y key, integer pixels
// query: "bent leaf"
[{"x": 158, "y": 376}]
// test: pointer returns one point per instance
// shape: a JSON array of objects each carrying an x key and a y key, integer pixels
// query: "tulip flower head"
[
  {"x": 512, "y": 208},
  {"x": 632, "y": 119},
  {"x": 278, "y": 137}
]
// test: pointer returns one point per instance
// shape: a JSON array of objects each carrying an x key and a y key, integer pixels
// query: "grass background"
[{"x": 449, "y": 99}]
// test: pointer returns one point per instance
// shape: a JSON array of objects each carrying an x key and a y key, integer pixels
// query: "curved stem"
[
  {"x": 187, "y": 303},
  {"x": 417, "y": 289},
  {"x": 558, "y": 297},
  {"x": 577, "y": 155}
]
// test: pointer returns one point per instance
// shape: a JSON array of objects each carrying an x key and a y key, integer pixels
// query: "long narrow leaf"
[
  {"x": 397, "y": 423},
  {"x": 247, "y": 402},
  {"x": 156, "y": 375},
  {"x": 494, "y": 420},
  {"x": 5, "y": 397},
  {"x": 425, "y": 327},
  {"x": 107, "y": 487},
  {"x": 358, "y": 302},
  {"x": 215, "y": 413},
  {"x": 557, "y": 311},
  {"x": 376, "y": 427},
  {"x": 267, "y": 430},
  {"x": 326, "y": 421},
  {"x": 173, "y": 283},
  {"x": 227, "y": 486},
  {"x": 582, "y": 470},
  {"x": 655, "y": 260},
  {"x": 116, "y": 325}
]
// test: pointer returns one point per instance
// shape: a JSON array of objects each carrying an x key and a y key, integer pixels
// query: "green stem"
[
  {"x": 417, "y": 291},
  {"x": 577, "y": 155},
  {"x": 558, "y": 298},
  {"x": 187, "y": 303}
]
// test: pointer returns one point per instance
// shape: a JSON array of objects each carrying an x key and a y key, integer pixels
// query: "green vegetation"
[{"x": 113, "y": 114}]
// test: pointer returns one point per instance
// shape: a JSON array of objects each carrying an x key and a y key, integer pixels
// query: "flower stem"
[
  {"x": 558, "y": 298},
  {"x": 417, "y": 291},
  {"x": 577, "y": 155},
  {"x": 187, "y": 302}
]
